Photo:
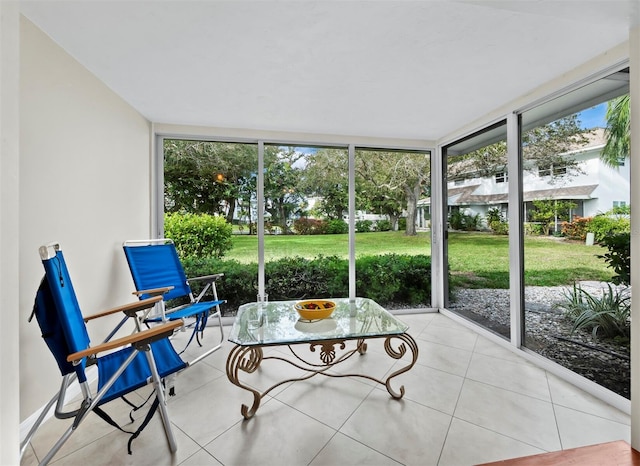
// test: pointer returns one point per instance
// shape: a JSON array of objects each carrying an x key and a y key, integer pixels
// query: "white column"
[
  {"x": 9, "y": 232},
  {"x": 438, "y": 231}
]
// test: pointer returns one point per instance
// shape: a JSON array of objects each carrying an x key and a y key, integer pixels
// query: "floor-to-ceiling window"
[
  {"x": 477, "y": 242},
  {"x": 393, "y": 226},
  {"x": 576, "y": 224},
  {"x": 210, "y": 192},
  {"x": 295, "y": 227}
]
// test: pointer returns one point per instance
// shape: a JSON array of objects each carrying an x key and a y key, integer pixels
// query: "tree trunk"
[
  {"x": 394, "y": 222},
  {"x": 413, "y": 195},
  {"x": 231, "y": 202}
]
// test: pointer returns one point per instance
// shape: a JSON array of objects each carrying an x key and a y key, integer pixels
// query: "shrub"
[
  {"x": 605, "y": 316},
  {"x": 394, "y": 278},
  {"x": 382, "y": 225},
  {"x": 402, "y": 223},
  {"x": 337, "y": 227},
  {"x": 608, "y": 223},
  {"x": 198, "y": 235},
  {"x": 388, "y": 279},
  {"x": 310, "y": 226},
  {"x": 464, "y": 222},
  {"x": 363, "y": 226},
  {"x": 499, "y": 227},
  {"x": 578, "y": 228},
  {"x": 619, "y": 256},
  {"x": 531, "y": 228}
]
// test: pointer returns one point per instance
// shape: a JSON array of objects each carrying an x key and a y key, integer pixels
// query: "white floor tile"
[
  {"x": 277, "y": 435},
  {"x": 578, "y": 429},
  {"x": 404, "y": 430},
  {"x": 430, "y": 387},
  {"x": 521, "y": 417},
  {"x": 342, "y": 450},
  {"x": 469, "y": 444},
  {"x": 467, "y": 400},
  {"x": 445, "y": 358},
  {"x": 568, "y": 395},
  {"x": 329, "y": 400},
  {"x": 519, "y": 377}
]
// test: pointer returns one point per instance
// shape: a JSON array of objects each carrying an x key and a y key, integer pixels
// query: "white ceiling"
[{"x": 398, "y": 69}]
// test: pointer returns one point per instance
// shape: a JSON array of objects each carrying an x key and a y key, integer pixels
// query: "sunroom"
[{"x": 92, "y": 91}]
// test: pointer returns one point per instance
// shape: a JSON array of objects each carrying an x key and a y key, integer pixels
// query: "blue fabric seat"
[
  {"x": 157, "y": 271},
  {"x": 126, "y": 364}
]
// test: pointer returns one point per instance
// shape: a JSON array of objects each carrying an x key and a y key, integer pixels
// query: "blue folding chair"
[
  {"x": 130, "y": 362},
  {"x": 157, "y": 271}
]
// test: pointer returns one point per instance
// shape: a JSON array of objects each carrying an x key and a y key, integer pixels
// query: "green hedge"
[
  {"x": 200, "y": 235},
  {"x": 387, "y": 279}
]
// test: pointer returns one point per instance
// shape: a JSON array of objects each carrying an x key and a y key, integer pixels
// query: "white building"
[{"x": 593, "y": 187}]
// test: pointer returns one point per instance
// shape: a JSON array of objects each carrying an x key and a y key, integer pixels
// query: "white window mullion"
[
  {"x": 260, "y": 209},
  {"x": 516, "y": 242},
  {"x": 352, "y": 222}
]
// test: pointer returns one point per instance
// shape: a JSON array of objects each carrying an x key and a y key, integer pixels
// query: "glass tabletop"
[{"x": 277, "y": 322}]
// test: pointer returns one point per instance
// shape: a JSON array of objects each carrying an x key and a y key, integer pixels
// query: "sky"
[{"x": 594, "y": 117}]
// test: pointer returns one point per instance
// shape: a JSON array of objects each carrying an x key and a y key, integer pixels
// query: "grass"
[{"x": 476, "y": 260}]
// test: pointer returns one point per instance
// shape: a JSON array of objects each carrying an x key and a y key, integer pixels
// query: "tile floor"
[{"x": 467, "y": 401}]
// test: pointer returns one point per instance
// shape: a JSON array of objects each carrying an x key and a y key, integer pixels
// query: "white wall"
[
  {"x": 9, "y": 233},
  {"x": 84, "y": 182}
]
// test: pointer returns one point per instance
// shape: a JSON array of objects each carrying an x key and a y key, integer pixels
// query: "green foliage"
[
  {"x": 382, "y": 225},
  {"x": 390, "y": 278},
  {"x": 337, "y": 227},
  {"x": 402, "y": 223},
  {"x": 609, "y": 223},
  {"x": 578, "y": 228},
  {"x": 299, "y": 278},
  {"x": 617, "y": 131},
  {"x": 199, "y": 235},
  {"x": 363, "y": 226},
  {"x": 531, "y": 228},
  {"x": 394, "y": 278},
  {"x": 499, "y": 227},
  {"x": 496, "y": 221},
  {"x": 605, "y": 316},
  {"x": 464, "y": 222},
  {"x": 546, "y": 210},
  {"x": 618, "y": 257}
]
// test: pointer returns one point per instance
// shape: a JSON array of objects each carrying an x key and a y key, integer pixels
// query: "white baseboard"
[{"x": 73, "y": 391}]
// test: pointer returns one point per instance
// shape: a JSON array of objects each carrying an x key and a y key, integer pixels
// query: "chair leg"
[
  {"x": 215, "y": 348},
  {"x": 162, "y": 406},
  {"x": 36, "y": 425}
]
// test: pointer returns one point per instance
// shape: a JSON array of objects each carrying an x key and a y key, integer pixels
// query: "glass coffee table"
[{"x": 329, "y": 341}]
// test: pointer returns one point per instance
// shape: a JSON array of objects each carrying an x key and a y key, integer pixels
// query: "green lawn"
[{"x": 477, "y": 260}]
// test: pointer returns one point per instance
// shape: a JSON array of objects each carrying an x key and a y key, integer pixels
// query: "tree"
[
  {"x": 207, "y": 177},
  {"x": 548, "y": 211},
  {"x": 387, "y": 183},
  {"x": 326, "y": 176},
  {"x": 281, "y": 193},
  {"x": 617, "y": 131},
  {"x": 394, "y": 181},
  {"x": 545, "y": 147}
]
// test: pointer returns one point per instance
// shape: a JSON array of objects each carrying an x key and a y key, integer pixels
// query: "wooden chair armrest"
[
  {"x": 131, "y": 307},
  {"x": 154, "y": 291},
  {"x": 148, "y": 334},
  {"x": 211, "y": 278}
]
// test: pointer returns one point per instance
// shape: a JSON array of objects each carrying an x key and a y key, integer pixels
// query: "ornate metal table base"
[{"x": 331, "y": 352}]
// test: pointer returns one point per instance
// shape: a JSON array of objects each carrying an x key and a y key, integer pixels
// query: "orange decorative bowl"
[{"x": 315, "y": 309}]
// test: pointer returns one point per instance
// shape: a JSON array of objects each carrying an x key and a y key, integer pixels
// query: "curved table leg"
[
  {"x": 398, "y": 352},
  {"x": 247, "y": 359}
]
